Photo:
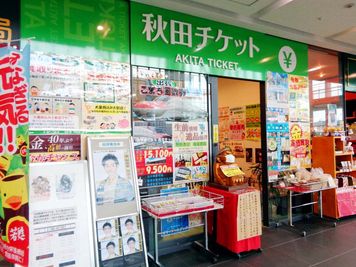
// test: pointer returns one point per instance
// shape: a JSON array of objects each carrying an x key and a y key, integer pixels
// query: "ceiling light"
[
  {"x": 266, "y": 59},
  {"x": 321, "y": 75},
  {"x": 349, "y": 5},
  {"x": 315, "y": 68},
  {"x": 100, "y": 27}
]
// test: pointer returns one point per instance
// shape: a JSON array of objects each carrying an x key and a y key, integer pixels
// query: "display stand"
[
  {"x": 179, "y": 205},
  {"x": 119, "y": 238},
  {"x": 227, "y": 224},
  {"x": 294, "y": 191}
]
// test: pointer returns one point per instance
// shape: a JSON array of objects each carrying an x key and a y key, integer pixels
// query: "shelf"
[
  {"x": 344, "y": 154},
  {"x": 353, "y": 170}
]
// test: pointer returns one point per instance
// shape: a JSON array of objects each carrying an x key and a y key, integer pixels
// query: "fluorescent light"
[{"x": 315, "y": 68}]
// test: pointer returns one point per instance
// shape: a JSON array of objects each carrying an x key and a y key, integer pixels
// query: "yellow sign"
[
  {"x": 215, "y": 133},
  {"x": 231, "y": 170}
]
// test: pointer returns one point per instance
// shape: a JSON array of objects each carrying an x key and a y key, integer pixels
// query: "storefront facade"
[{"x": 122, "y": 68}]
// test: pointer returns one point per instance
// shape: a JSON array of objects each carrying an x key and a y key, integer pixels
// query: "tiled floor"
[{"x": 323, "y": 246}]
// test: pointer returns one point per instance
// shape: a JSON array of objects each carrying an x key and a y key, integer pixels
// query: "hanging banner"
[
  {"x": 253, "y": 122},
  {"x": 14, "y": 118}
]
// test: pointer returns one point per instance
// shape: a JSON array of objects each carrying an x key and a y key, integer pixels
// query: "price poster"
[
  {"x": 237, "y": 124},
  {"x": 190, "y": 149},
  {"x": 253, "y": 122},
  {"x": 300, "y": 145},
  {"x": 154, "y": 166},
  {"x": 54, "y": 147}
]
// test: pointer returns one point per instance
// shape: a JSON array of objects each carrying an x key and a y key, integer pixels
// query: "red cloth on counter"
[{"x": 226, "y": 232}]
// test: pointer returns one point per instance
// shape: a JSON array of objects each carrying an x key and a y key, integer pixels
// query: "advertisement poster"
[
  {"x": 116, "y": 208},
  {"x": 60, "y": 215},
  {"x": 300, "y": 145},
  {"x": 75, "y": 93},
  {"x": 237, "y": 124},
  {"x": 253, "y": 122},
  {"x": 277, "y": 89},
  {"x": 224, "y": 123},
  {"x": 14, "y": 119},
  {"x": 278, "y": 145},
  {"x": 154, "y": 166},
  {"x": 190, "y": 151},
  {"x": 54, "y": 147},
  {"x": 298, "y": 98},
  {"x": 153, "y": 152}
]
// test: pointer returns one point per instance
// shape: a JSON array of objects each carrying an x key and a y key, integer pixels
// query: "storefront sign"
[
  {"x": 14, "y": 118},
  {"x": 168, "y": 39},
  {"x": 54, "y": 147}
]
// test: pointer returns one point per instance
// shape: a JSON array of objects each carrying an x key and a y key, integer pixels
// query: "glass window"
[{"x": 326, "y": 90}]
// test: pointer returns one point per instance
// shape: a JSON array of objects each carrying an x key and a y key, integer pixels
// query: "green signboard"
[
  {"x": 167, "y": 39},
  {"x": 91, "y": 28},
  {"x": 351, "y": 74}
]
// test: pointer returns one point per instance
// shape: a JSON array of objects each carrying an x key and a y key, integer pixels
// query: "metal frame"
[
  {"x": 204, "y": 247},
  {"x": 292, "y": 193},
  {"x": 90, "y": 140}
]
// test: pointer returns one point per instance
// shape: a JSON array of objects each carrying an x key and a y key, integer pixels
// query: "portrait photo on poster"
[
  {"x": 107, "y": 229},
  {"x": 129, "y": 225},
  {"x": 112, "y": 184},
  {"x": 132, "y": 244},
  {"x": 110, "y": 249}
]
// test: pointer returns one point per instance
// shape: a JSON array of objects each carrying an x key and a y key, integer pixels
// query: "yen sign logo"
[{"x": 287, "y": 59}]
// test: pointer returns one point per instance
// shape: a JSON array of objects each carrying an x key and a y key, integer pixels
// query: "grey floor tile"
[{"x": 343, "y": 260}]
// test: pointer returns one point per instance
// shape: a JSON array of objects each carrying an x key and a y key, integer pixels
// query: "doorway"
[{"x": 236, "y": 107}]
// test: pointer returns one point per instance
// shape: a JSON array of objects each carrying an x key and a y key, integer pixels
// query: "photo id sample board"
[
  {"x": 118, "y": 228},
  {"x": 60, "y": 227}
]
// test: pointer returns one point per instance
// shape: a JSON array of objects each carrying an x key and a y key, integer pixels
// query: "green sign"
[
  {"x": 351, "y": 74},
  {"x": 91, "y": 28},
  {"x": 166, "y": 39}
]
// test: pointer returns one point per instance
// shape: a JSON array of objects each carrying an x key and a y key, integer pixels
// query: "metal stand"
[
  {"x": 202, "y": 247},
  {"x": 292, "y": 193}
]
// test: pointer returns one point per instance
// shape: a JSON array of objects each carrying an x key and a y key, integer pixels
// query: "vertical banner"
[
  {"x": 253, "y": 122},
  {"x": 14, "y": 117}
]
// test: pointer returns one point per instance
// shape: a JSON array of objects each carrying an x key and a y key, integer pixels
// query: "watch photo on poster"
[
  {"x": 132, "y": 244},
  {"x": 111, "y": 182},
  {"x": 110, "y": 249},
  {"x": 129, "y": 225},
  {"x": 107, "y": 229}
]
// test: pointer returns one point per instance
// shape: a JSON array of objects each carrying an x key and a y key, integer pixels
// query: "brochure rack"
[{"x": 169, "y": 206}]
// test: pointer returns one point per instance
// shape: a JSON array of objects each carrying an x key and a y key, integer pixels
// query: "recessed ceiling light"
[
  {"x": 100, "y": 27},
  {"x": 349, "y": 5}
]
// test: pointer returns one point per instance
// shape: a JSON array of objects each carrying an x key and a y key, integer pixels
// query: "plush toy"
[{"x": 226, "y": 171}]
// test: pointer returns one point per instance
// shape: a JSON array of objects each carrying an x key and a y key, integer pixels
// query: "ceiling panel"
[
  {"x": 349, "y": 37},
  {"x": 241, "y": 7},
  {"x": 319, "y": 17}
]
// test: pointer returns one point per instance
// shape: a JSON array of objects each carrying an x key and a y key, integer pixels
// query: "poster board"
[
  {"x": 118, "y": 228},
  {"x": 60, "y": 215}
]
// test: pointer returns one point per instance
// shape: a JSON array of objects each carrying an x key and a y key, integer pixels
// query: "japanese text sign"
[
  {"x": 14, "y": 117},
  {"x": 167, "y": 39}
]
